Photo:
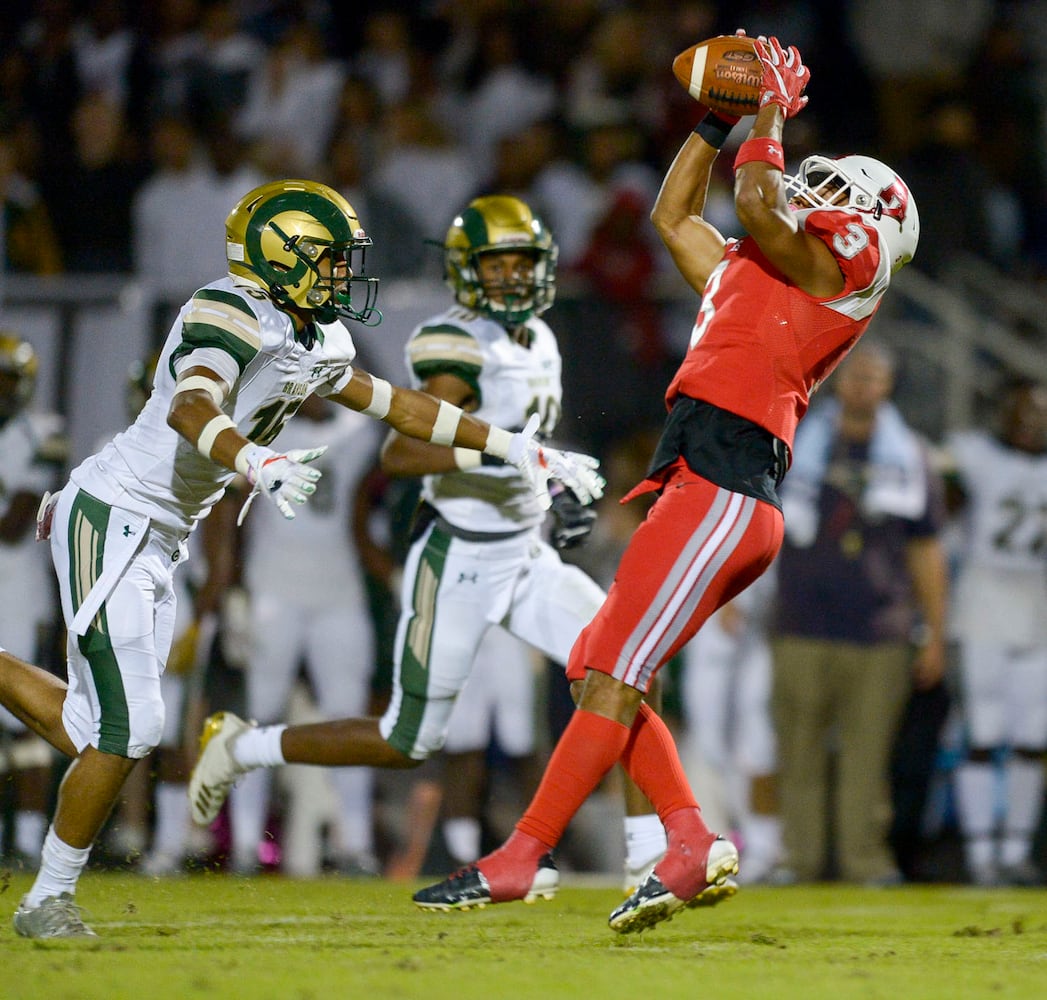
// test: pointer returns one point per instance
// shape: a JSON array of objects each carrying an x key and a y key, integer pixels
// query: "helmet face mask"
[
  {"x": 299, "y": 241},
  {"x": 492, "y": 226},
  {"x": 18, "y": 368},
  {"x": 866, "y": 186}
]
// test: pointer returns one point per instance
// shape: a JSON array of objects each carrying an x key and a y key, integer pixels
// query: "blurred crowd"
[
  {"x": 128, "y": 131},
  {"x": 122, "y": 124}
]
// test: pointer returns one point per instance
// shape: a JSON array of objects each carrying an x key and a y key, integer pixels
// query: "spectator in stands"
[
  {"x": 399, "y": 243},
  {"x": 30, "y": 245},
  {"x": 297, "y": 86},
  {"x": 90, "y": 198}
]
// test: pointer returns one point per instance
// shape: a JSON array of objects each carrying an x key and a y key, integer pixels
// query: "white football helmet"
[{"x": 869, "y": 187}]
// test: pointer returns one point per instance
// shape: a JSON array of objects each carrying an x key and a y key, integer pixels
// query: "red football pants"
[{"x": 699, "y": 546}]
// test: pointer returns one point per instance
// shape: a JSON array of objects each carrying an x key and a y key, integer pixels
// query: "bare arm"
[
  {"x": 417, "y": 414},
  {"x": 763, "y": 209},
  {"x": 407, "y": 456},
  {"x": 192, "y": 410},
  {"x": 695, "y": 246}
]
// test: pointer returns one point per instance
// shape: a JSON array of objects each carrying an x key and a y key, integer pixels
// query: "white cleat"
[
  {"x": 55, "y": 917},
  {"x": 216, "y": 771}
]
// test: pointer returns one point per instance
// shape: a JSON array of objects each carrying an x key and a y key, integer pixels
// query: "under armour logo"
[
  {"x": 127, "y": 530},
  {"x": 468, "y": 577}
]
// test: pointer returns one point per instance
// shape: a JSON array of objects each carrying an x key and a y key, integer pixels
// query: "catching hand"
[
  {"x": 282, "y": 478},
  {"x": 540, "y": 464},
  {"x": 572, "y": 522},
  {"x": 784, "y": 76}
]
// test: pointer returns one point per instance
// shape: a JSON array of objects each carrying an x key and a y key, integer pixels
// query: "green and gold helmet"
[
  {"x": 495, "y": 224},
  {"x": 18, "y": 367},
  {"x": 278, "y": 234}
]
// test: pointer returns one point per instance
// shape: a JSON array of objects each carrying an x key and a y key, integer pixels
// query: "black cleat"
[
  {"x": 652, "y": 902},
  {"x": 468, "y": 888}
]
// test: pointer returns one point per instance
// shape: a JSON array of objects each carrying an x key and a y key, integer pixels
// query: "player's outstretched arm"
[
  {"x": 695, "y": 246},
  {"x": 195, "y": 412},
  {"x": 408, "y": 456},
  {"x": 420, "y": 415}
]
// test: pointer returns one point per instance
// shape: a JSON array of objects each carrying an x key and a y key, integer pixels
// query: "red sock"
[
  {"x": 589, "y": 748},
  {"x": 652, "y": 761},
  {"x": 650, "y": 758}
]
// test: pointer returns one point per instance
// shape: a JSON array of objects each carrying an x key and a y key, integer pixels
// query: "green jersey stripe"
[
  {"x": 198, "y": 335},
  {"x": 227, "y": 298}
]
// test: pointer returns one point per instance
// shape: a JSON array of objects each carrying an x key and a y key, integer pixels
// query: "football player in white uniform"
[
  {"x": 34, "y": 450},
  {"x": 241, "y": 356},
  {"x": 998, "y": 620},
  {"x": 478, "y": 558}
]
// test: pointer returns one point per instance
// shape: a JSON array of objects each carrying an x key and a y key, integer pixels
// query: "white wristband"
[
  {"x": 446, "y": 425},
  {"x": 213, "y": 427},
  {"x": 498, "y": 442},
  {"x": 209, "y": 385},
  {"x": 467, "y": 458},
  {"x": 242, "y": 464},
  {"x": 381, "y": 398}
]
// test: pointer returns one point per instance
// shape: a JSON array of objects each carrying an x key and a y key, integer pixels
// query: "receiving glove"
[
  {"x": 572, "y": 521},
  {"x": 282, "y": 478},
  {"x": 538, "y": 464},
  {"x": 784, "y": 76}
]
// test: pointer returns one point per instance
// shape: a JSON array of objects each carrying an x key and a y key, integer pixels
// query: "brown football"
[{"x": 723, "y": 73}]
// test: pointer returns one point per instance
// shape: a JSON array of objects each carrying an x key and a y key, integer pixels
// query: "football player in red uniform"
[{"x": 779, "y": 309}]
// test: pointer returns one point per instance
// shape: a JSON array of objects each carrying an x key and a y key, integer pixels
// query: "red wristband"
[{"x": 760, "y": 151}]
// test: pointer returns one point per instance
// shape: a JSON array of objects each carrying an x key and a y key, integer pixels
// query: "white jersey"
[
  {"x": 1001, "y": 592},
  {"x": 315, "y": 554},
  {"x": 233, "y": 328},
  {"x": 511, "y": 381}
]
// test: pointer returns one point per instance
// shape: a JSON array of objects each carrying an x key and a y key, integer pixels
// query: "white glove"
[
  {"x": 283, "y": 478},
  {"x": 539, "y": 464}
]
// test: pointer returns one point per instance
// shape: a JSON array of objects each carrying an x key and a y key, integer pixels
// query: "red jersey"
[{"x": 760, "y": 346}]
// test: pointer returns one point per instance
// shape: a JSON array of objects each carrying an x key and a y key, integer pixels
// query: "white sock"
[
  {"x": 975, "y": 786},
  {"x": 762, "y": 836},
  {"x": 462, "y": 836},
  {"x": 1024, "y": 780},
  {"x": 172, "y": 819},
  {"x": 645, "y": 840},
  {"x": 259, "y": 746},
  {"x": 60, "y": 868},
  {"x": 30, "y": 827}
]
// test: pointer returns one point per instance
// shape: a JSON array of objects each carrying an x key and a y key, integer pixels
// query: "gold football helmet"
[
  {"x": 279, "y": 235},
  {"x": 18, "y": 367},
  {"x": 494, "y": 224}
]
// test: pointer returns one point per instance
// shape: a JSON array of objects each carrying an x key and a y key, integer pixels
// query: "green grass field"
[{"x": 270, "y": 937}]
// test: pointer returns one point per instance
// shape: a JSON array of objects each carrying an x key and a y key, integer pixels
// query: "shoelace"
[{"x": 62, "y": 914}]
